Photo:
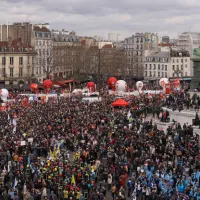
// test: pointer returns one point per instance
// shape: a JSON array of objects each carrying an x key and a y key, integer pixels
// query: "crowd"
[{"x": 71, "y": 150}]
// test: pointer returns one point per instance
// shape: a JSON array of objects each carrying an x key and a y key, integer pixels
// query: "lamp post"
[
  {"x": 99, "y": 68},
  {"x": 4, "y": 71}
]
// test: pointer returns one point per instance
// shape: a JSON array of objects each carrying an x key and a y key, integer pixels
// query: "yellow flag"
[
  {"x": 73, "y": 180},
  {"x": 51, "y": 154}
]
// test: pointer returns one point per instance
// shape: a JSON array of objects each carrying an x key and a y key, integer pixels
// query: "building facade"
[
  {"x": 15, "y": 31},
  {"x": 67, "y": 49},
  {"x": 135, "y": 47},
  {"x": 171, "y": 63},
  {"x": 17, "y": 62},
  {"x": 42, "y": 41}
]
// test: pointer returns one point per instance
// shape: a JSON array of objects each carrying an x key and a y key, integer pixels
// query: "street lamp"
[
  {"x": 99, "y": 67},
  {"x": 99, "y": 70},
  {"x": 4, "y": 71}
]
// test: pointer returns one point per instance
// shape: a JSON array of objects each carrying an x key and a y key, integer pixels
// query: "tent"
[{"x": 120, "y": 102}]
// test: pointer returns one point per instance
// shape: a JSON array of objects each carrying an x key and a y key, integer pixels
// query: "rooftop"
[
  {"x": 159, "y": 55},
  {"x": 60, "y": 37},
  {"x": 38, "y": 29},
  {"x": 15, "y": 46}
]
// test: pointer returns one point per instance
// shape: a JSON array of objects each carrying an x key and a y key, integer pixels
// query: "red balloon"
[
  {"x": 111, "y": 83},
  {"x": 176, "y": 80},
  {"x": 91, "y": 85},
  {"x": 176, "y": 83},
  {"x": 47, "y": 84},
  {"x": 34, "y": 86}
]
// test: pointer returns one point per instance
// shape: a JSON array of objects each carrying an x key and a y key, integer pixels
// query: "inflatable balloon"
[
  {"x": 176, "y": 84},
  {"x": 139, "y": 85},
  {"x": 121, "y": 86},
  {"x": 47, "y": 84},
  {"x": 4, "y": 94},
  {"x": 91, "y": 86},
  {"x": 167, "y": 88},
  {"x": 111, "y": 83},
  {"x": 163, "y": 81},
  {"x": 34, "y": 87}
]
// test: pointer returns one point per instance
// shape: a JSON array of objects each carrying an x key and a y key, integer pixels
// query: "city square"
[{"x": 99, "y": 100}]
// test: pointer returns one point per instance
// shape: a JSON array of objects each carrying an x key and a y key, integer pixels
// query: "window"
[
  {"x": 177, "y": 60},
  {"x": 43, "y": 42},
  {"x": 141, "y": 46},
  {"x": 185, "y": 65},
  {"x": 158, "y": 74},
  {"x": 43, "y": 51},
  {"x": 11, "y": 60},
  {"x": 162, "y": 74},
  {"x": 20, "y": 72},
  {"x": 158, "y": 66},
  {"x": 36, "y": 43},
  {"x": 181, "y": 60},
  {"x": 28, "y": 60},
  {"x": 40, "y": 52},
  {"x": 177, "y": 67},
  {"x": 162, "y": 67},
  {"x": 173, "y": 60},
  {"x": 154, "y": 66},
  {"x": 185, "y": 59},
  {"x": 150, "y": 66},
  {"x": 137, "y": 46},
  {"x": 11, "y": 72},
  {"x": 32, "y": 71},
  {"x": 20, "y": 60},
  {"x": 145, "y": 73},
  {"x": 141, "y": 40},
  {"x": 166, "y": 74},
  {"x": 37, "y": 70},
  {"x": 185, "y": 73},
  {"x": 173, "y": 67},
  {"x": 3, "y": 60},
  {"x": 3, "y": 71},
  {"x": 150, "y": 73},
  {"x": 154, "y": 73},
  {"x": 181, "y": 67},
  {"x": 146, "y": 66},
  {"x": 165, "y": 67}
]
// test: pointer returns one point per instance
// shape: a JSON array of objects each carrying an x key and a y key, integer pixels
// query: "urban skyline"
[{"x": 100, "y": 18}]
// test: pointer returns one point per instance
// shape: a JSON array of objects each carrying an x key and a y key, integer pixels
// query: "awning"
[
  {"x": 120, "y": 103},
  {"x": 59, "y": 83},
  {"x": 70, "y": 81}
]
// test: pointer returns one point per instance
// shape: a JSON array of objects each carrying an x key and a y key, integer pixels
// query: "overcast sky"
[{"x": 99, "y": 17}]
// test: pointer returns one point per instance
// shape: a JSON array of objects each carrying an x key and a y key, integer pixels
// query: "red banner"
[
  {"x": 167, "y": 88},
  {"x": 177, "y": 84}
]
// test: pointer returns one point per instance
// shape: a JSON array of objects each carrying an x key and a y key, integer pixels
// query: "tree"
[
  {"x": 46, "y": 63},
  {"x": 84, "y": 60}
]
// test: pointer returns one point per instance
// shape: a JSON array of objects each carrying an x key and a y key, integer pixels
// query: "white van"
[{"x": 92, "y": 99}]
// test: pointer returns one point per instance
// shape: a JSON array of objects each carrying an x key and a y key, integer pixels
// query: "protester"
[{"x": 68, "y": 149}]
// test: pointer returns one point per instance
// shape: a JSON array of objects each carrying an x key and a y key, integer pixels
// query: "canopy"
[{"x": 120, "y": 102}]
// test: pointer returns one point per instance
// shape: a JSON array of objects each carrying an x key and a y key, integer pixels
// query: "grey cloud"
[{"x": 102, "y": 16}]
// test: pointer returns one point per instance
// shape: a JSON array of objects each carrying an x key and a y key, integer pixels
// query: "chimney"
[{"x": 9, "y": 41}]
